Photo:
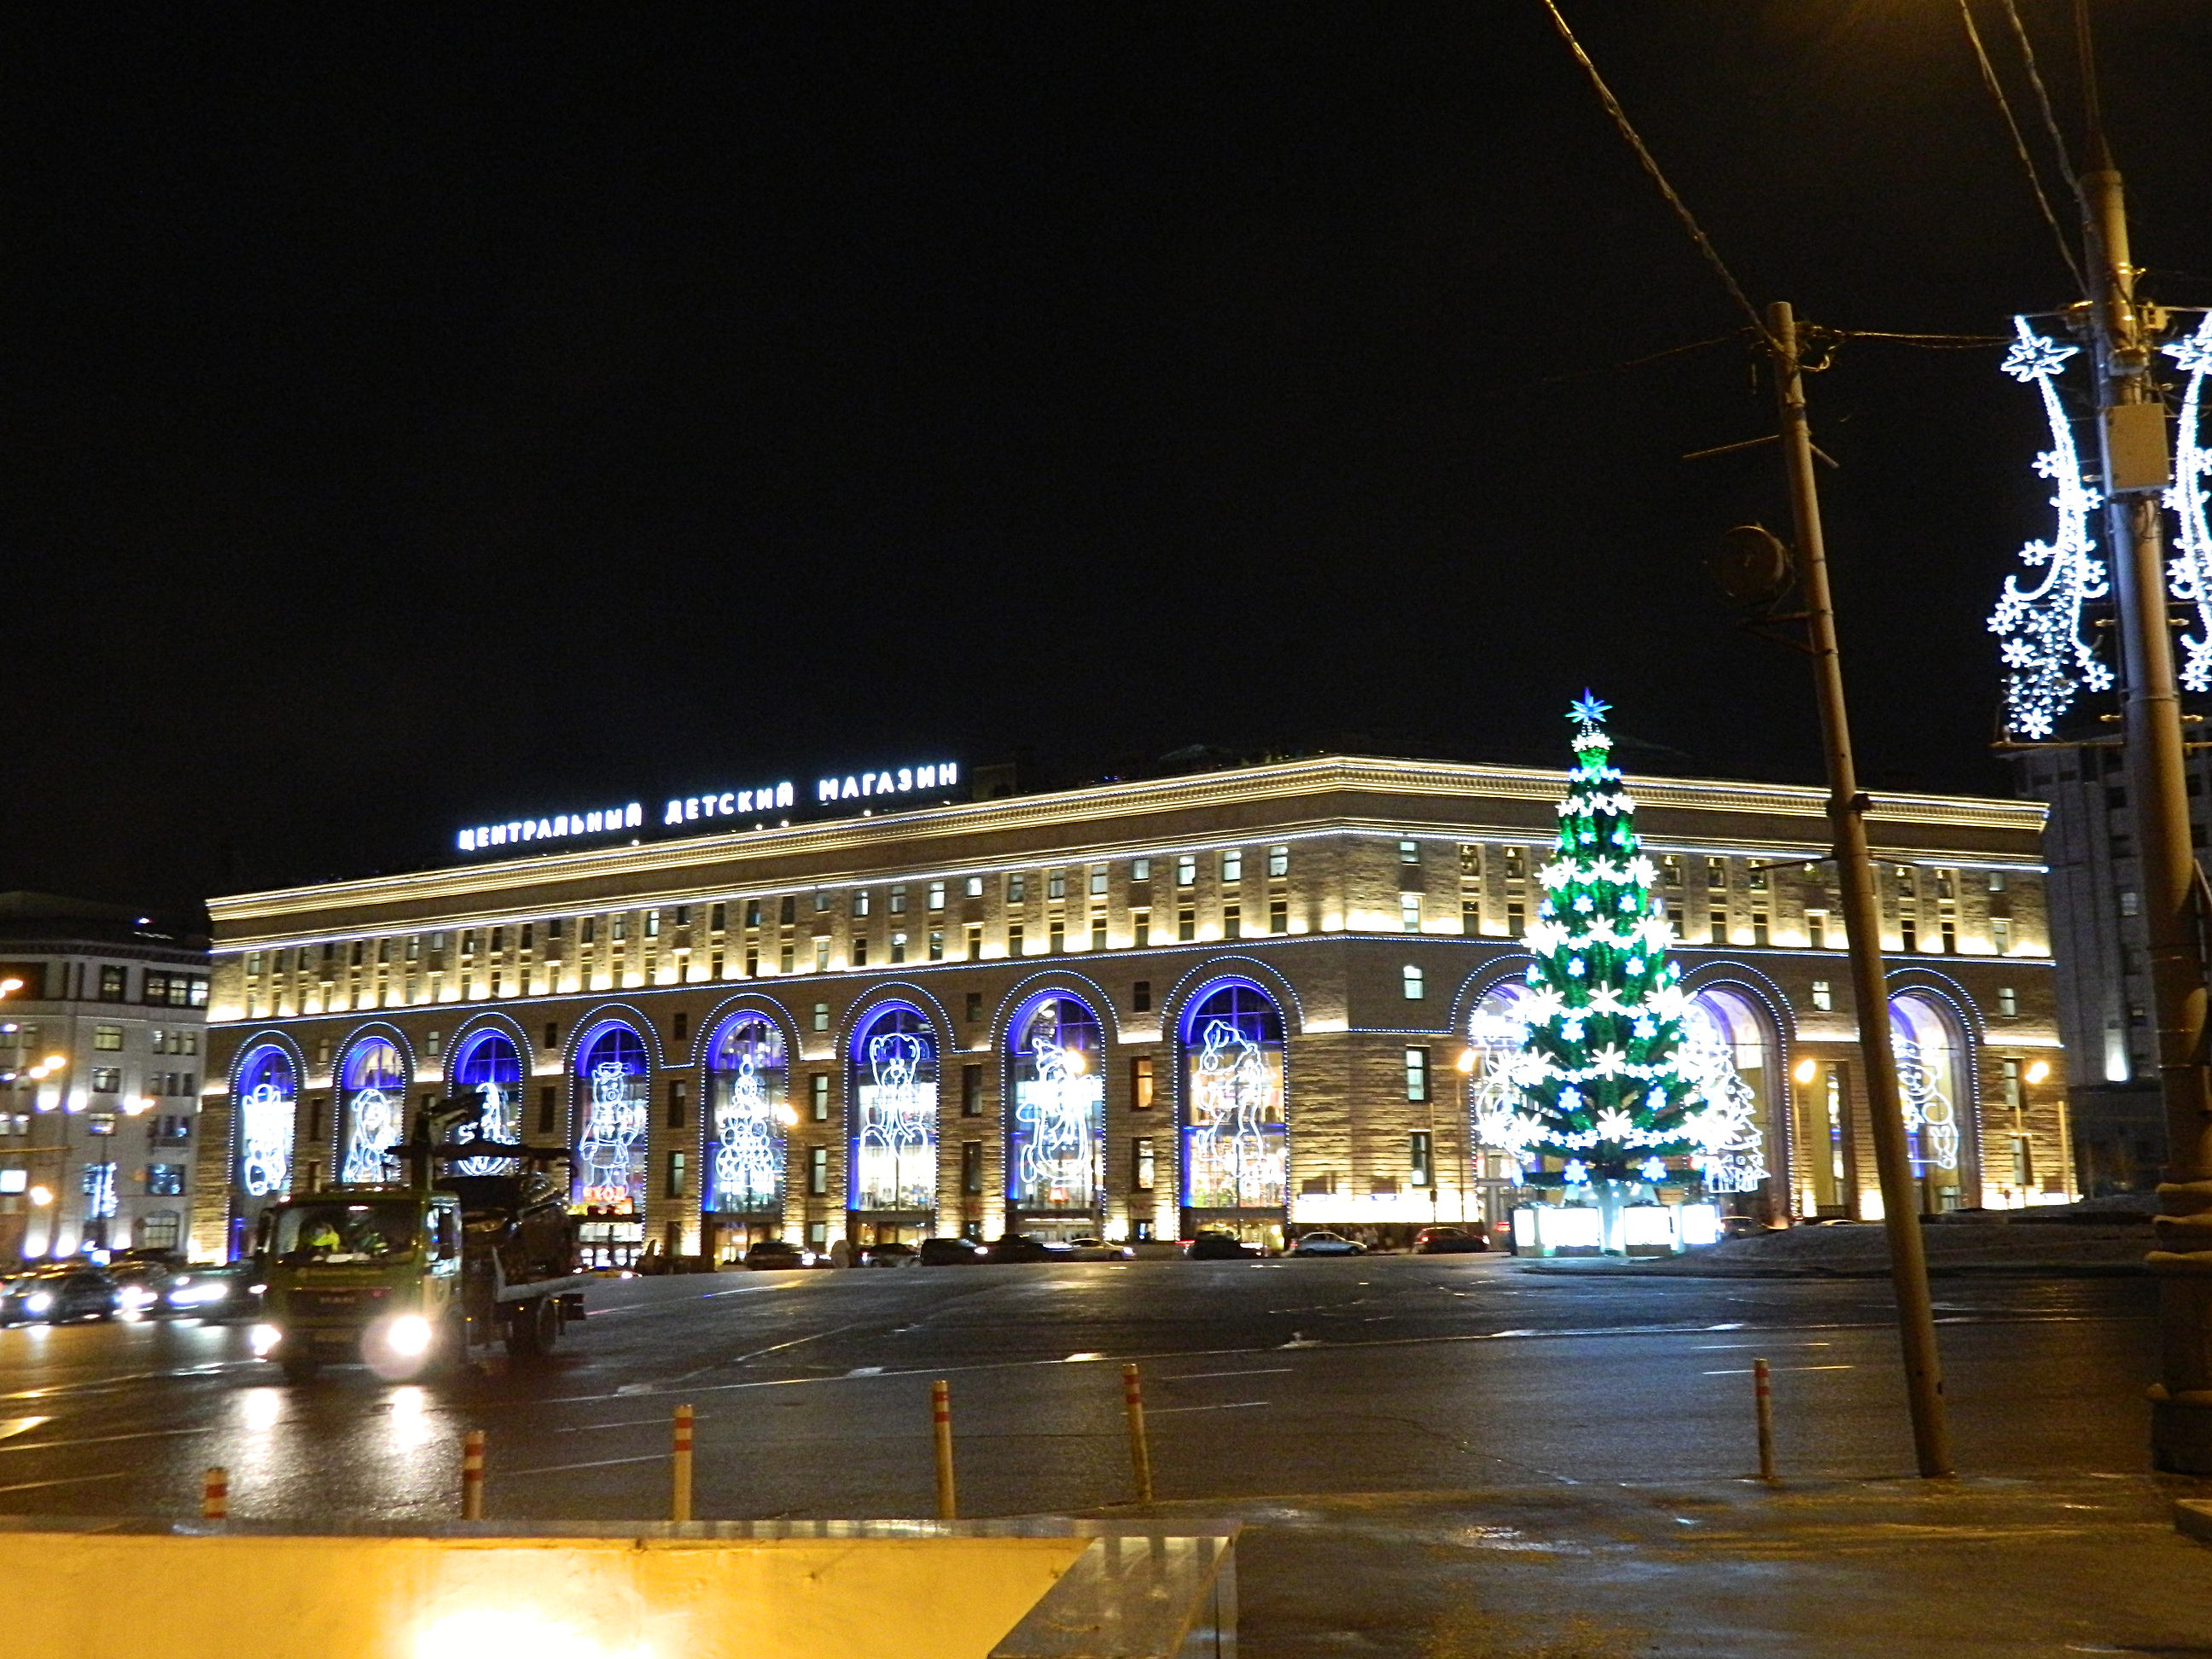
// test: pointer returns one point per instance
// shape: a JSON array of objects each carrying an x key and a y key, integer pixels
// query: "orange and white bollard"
[
  {"x": 940, "y": 1410},
  {"x": 1763, "y": 1392},
  {"x": 472, "y": 1473},
  {"x": 679, "y": 1499},
  {"x": 1140, "y": 1450},
  {"x": 215, "y": 1494}
]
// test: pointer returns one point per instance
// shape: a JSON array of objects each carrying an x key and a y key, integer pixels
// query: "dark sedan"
[
  {"x": 950, "y": 1252},
  {"x": 1020, "y": 1247},
  {"x": 773, "y": 1253},
  {"x": 55, "y": 1296},
  {"x": 217, "y": 1295},
  {"x": 1448, "y": 1241},
  {"x": 1219, "y": 1247}
]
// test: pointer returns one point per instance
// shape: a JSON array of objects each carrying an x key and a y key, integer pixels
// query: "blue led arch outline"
[
  {"x": 1264, "y": 978},
  {"x": 1080, "y": 986},
  {"x": 477, "y": 1025},
  {"x": 1511, "y": 968},
  {"x": 863, "y": 1007}
]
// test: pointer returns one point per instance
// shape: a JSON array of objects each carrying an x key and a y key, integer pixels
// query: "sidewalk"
[{"x": 1894, "y": 1568}]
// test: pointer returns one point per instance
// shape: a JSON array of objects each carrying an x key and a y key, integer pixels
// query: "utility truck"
[{"x": 413, "y": 1276}]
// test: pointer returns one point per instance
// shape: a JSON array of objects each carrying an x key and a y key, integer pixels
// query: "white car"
[{"x": 1087, "y": 1248}]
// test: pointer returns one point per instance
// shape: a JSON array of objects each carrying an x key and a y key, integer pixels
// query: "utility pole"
[
  {"x": 2131, "y": 428},
  {"x": 1847, "y": 809}
]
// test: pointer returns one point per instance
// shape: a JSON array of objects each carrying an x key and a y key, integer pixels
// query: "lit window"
[
  {"x": 1416, "y": 986},
  {"x": 974, "y": 887},
  {"x": 1416, "y": 1073},
  {"x": 107, "y": 1036},
  {"x": 2007, "y": 1001},
  {"x": 1140, "y": 869},
  {"x": 1098, "y": 882},
  {"x": 2001, "y": 935},
  {"x": 1419, "y": 1159},
  {"x": 1017, "y": 886},
  {"x": 1056, "y": 884},
  {"x": 898, "y": 901},
  {"x": 1823, "y": 998},
  {"x": 821, "y": 1016},
  {"x": 1232, "y": 865},
  {"x": 1186, "y": 871},
  {"x": 1409, "y": 912},
  {"x": 937, "y": 896},
  {"x": 1409, "y": 852},
  {"x": 1279, "y": 861},
  {"x": 860, "y": 904}
]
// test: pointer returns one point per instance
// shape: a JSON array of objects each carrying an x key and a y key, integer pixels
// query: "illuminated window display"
[
  {"x": 747, "y": 1110},
  {"x": 1725, "y": 1052},
  {"x": 613, "y": 1083},
  {"x": 268, "y": 1103},
  {"x": 1234, "y": 1151},
  {"x": 1497, "y": 1040},
  {"x": 374, "y": 1084},
  {"x": 1057, "y": 1136},
  {"x": 894, "y": 1072},
  {"x": 490, "y": 1068},
  {"x": 1933, "y": 1078}
]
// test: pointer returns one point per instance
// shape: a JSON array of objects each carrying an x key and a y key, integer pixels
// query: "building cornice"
[{"x": 697, "y": 860}]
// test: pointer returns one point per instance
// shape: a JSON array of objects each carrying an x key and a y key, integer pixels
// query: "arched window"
[
  {"x": 894, "y": 1112},
  {"x": 373, "y": 1085},
  {"x": 1497, "y": 1038},
  {"x": 1057, "y": 1136},
  {"x": 489, "y": 1066},
  {"x": 614, "y": 1081},
  {"x": 1236, "y": 1154},
  {"x": 1727, "y": 1052},
  {"x": 267, "y": 1103},
  {"x": 1937, "y": 1088},
  {"x": 748, "y": 1073}
]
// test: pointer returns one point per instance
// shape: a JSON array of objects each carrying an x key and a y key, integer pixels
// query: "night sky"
[{"x": 413, "y": 420}]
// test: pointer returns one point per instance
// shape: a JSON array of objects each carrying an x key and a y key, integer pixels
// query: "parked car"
[
  {"x": 1327, "y": 1243},
  {"x": 142, "y": 1284},
  {"x": 1219, "y": 1247},
  {"x": 1021, "y": 1247},
  {"x": 57, "y": 1294},
  {"x": 775, "y": 1253},
  {"x": 1448, "y": 1241},
  {"x": 949, "y": 1253},
  {"x": 217, "y": 1295},
  {"x": 1087, "y": 1248},
  {"x": 891, "y": 1255}
]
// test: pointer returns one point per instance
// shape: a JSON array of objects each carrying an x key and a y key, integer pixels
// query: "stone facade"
[{"x": 1373, "y": 905}]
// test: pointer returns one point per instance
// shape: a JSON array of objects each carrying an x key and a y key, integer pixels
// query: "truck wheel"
[
  {"x": 300, "y": 1369},
  {"x": 529, "y": 1329}
]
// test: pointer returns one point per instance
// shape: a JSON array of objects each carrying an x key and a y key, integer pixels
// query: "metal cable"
[
  {"x": 2042, "y": 98},
  {"x": 2020, "y": 140},
  {"x": 1651, "y": 167}
]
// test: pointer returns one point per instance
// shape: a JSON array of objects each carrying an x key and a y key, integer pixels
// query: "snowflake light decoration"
[{"x": 2049, "y": 662}]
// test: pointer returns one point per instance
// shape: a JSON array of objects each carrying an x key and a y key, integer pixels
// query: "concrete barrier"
[{"x": 1034, "y": 1589}]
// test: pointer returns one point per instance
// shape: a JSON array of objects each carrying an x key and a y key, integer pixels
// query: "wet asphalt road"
[{"x": 1381, "y": 1375}]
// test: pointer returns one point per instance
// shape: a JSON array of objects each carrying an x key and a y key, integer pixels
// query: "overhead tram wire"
[
  {"x": 2018, "y": 138},
  {"x": 1650, "y": 166}
]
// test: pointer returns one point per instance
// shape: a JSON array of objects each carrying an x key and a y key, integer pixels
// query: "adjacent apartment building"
[
  {"x": 101, "y": 1024},
  {"x": 1263, "y": 999}
]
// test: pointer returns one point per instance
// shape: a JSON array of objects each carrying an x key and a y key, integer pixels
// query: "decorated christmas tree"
[{"x": 1604, "y": 1101}]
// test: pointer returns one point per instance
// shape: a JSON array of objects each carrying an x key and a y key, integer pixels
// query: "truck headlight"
[
  {"x": 408, "y": 1334},
  {"x": 263, "y": 1340}
]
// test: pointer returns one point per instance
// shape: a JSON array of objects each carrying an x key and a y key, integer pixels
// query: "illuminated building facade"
[
  {"x": 100, "y": 1066},
  {"x": 1263, "y": 999}
]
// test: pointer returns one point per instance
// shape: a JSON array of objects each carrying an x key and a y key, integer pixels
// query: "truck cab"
[{"x": 368, "y": 1274}]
